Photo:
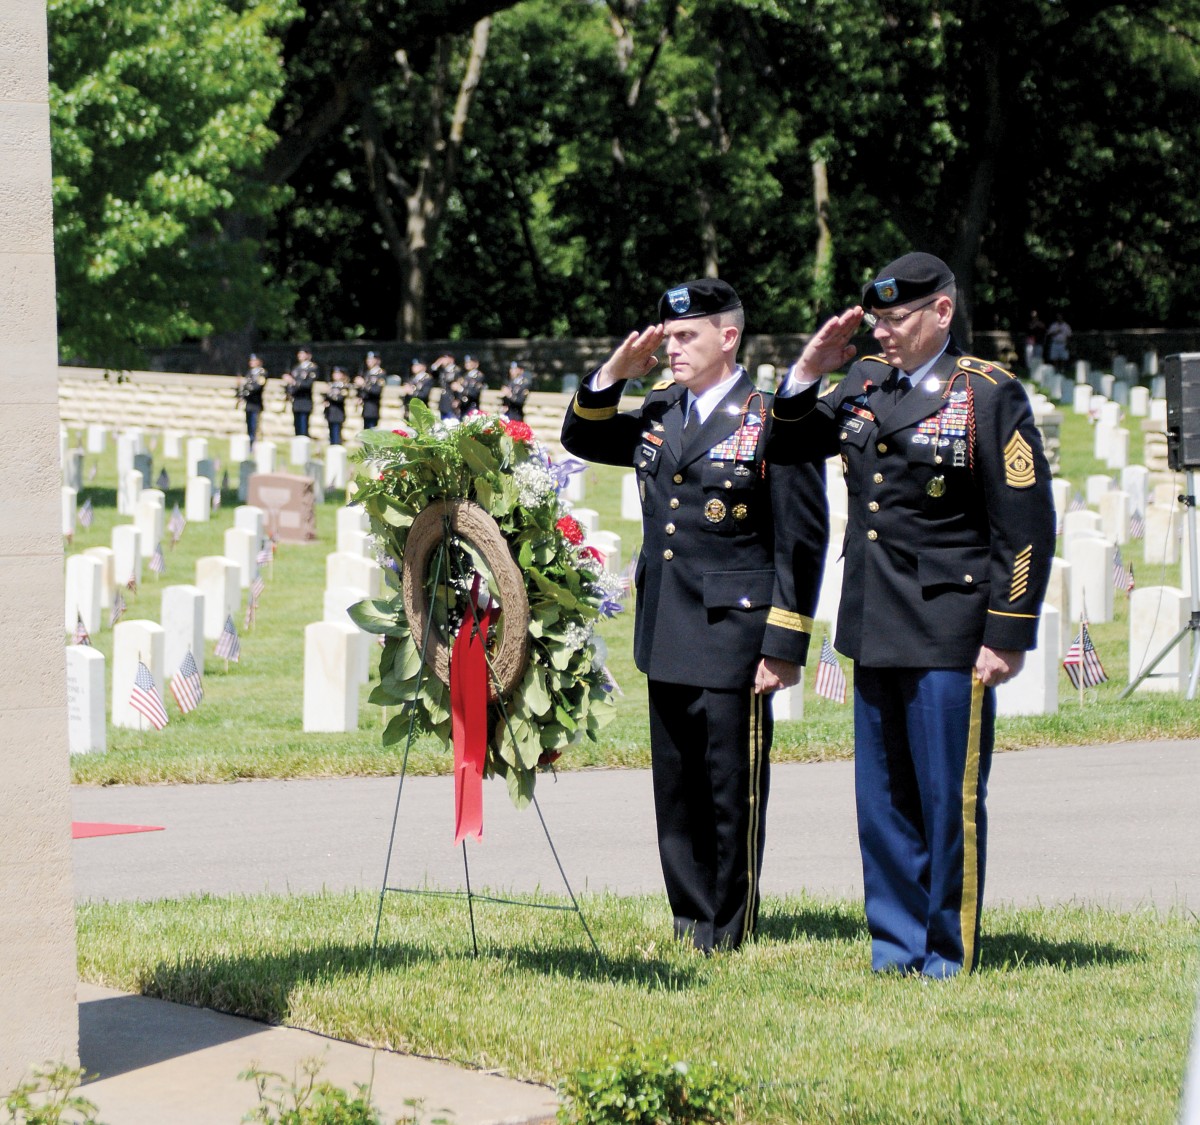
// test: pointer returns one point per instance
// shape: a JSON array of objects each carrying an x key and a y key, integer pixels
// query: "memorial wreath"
[{"x": 487, "y": 570}]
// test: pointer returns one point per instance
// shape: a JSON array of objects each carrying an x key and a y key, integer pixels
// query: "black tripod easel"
[
  {"x": 1192, "y": 625},
  {"x": 447, "y": 561}
]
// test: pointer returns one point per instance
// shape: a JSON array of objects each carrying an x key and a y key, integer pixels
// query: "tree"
[{"x": 159, "y": 112}]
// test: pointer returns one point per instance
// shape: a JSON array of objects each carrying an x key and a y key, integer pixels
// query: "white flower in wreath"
[
  {"x": 534, "y": 484},
  {"x": 577, "y": 636}
]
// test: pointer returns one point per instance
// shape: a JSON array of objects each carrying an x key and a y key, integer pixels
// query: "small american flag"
[
  {"x": 1122, "y": 574},
  {"x": 1078, "y": 502},
  {"x": 132, "y": 584},
  {"x": 186, "y": 686},
  {"x": 265, "y": 555},
  {"x": 92, "y": 472},
  {"x": 118, "y": 608},
  {"x": 145, "y": 700},
  {"x": 157, "y": 563},
  {"x": 1082, "y": 662},
  {"x": 831, "y": 680},
  {"x": 86, "y": 514},
  {"x": 175, "y": 525},
  {"x": 224, "y": 479},
  {"x": 164, "y": 482},
  {"x": 1137, "y": 526},
  {"x": 81, "y": 634},
  {"x": 257, "y": 587},
  {"x": 216, "y": 499},
  {"x": 228, "y": 645}
]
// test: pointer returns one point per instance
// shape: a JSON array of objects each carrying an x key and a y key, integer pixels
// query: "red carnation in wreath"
[
  {"x": 518, "y": 431},
  {"x": 571, "y": 530}
]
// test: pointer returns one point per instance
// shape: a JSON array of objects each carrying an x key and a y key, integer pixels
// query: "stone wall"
[{"x": 38, "y": 1012}]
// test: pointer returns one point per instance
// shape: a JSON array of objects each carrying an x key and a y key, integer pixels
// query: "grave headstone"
[
  {"x": 87, "y": 732},
  {"x": 219, "y": 580},
  {"x": 239, "y": 448},
  {"x": 289, "y": 504},
  {"x": 242, "y": 547},
  {"x": 788, "y": 703},
  {"x": 1117, "y": 456},
  {"x": 97, "y": 438},
  {"x": 588, "y": 519},
  {"x": 1161, "y": 542},
  {"x": 129, "y": 488},
  {"x": 830, "y": 594},
  {"x": 352, "y": 518},
  {"x": 1083, "y": 522},
  {"x": 72, "y": 469},
  {"x": 1114, "y": 516},
  {"x": 1139, "y": 401},
  {"x": 144, "y": 464},
  {"x": 173, "y": 445},
  {"x": 835, "y": 486},
  {"x": 1091, "y": 559},
  {"x": 1058, "y": 595},
  {"x": 135, "y": 641},
  {"x": 252, "y": 519},
  {"x": 1081, "y": 400},
  {"x": 337, "y": 468},
  {"x": 299, "y": 450},
  {"x": 608, "y": 543},
  {"x": 183, "y": 626},
  {"x": 330, "y": 677},
  {"x": 150, "y": 520},
  {"x": 127, "y": 553},
  {"x": 108, "y": 580},
  {"x": 315, "y": 472},
  {"x": 1060, "y": 490},
  {"x": 354, "y": 571},
  {"x": 84, "y": 579},
  {"x": 264, "y": 456},
  {"x": 764, "y": 378},
  {"x": 1097, "y": 485},
  {"x": 197, "y": 451},
  {"x": 129, "y": 442},
  {"x": 1135, "y": 480},
  {"x": 576, "y": 487},
  {"x": 1034, "y": 690},
  {"x": 631, "y": 504},
  {"x": 197, "y": 501},
  {"x": 206, "y": 467},
  {"x": 1156, "y": 614},
  {"x": 337, "y": 601}
]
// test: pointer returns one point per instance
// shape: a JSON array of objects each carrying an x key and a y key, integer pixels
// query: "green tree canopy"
[{"x": 159, "y": 117}]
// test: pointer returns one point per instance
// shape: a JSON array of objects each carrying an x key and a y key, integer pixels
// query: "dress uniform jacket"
[
  {"x": 732, "y": 536},
  {"x": 514, "y": 394},
  {"x": 944, "y": 549},
  {"x": 301, "y": 391},
  {"x": 370, "y": 394}
]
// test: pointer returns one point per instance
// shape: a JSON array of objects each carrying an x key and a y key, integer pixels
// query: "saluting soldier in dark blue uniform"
[
  {"x": 948, "y": 547},
  {"x": 370, "y": 386},
  {"x": 727, "y": 581}
]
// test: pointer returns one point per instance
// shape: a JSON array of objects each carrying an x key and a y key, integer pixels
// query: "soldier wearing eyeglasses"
[{"x": 949, "y": 539}]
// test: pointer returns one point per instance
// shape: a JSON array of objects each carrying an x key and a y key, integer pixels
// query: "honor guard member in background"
[
  {"x": 727, "y": 582},
  {"x": 516, "y": 390},
  {"x": 299, "y": 385},
  {"x": 335, "y": 403},
  {"x": 249, "y": 392},
  {"x": 419, "y": 385},
  {"x": 449, "y": 378},
  {"x": 948, "y": 547},
  {"x": 370, "y": 386},
  {"x": 474, "y": 383}
]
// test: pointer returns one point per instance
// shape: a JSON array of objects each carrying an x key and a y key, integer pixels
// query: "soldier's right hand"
[{"x": 633, "y": 359}]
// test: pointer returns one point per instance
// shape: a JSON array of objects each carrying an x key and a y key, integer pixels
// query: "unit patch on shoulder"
[{"x": 1018, "y": 462}]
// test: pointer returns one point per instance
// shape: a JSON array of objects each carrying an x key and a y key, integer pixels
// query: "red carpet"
[{"x": 82, "y": 829}]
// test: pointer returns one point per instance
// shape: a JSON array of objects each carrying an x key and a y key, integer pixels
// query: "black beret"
[
  {"x": 706, "y": 296},
  {"x": 906, "y": 279}
]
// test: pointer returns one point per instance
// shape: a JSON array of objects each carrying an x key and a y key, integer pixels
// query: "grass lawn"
[
  {"x": 250, "y": 722},
  {"x": 1079, "y": 1015}
]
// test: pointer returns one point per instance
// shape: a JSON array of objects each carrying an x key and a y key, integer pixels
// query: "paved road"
[{"x": 1115, "y": 825}]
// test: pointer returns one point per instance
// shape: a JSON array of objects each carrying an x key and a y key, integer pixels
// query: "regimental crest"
[
  {"x": 679, "y": 299},
  {"x": 1018, "y": 462},
  {"x": 885, "y": 289}
]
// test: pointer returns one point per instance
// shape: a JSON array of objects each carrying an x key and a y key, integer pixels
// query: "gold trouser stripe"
[
  {"x": 594, "y": 413},
  {"x": 969, "y": 911},
  {"x": 786, "y": 619},
  {"x": 755, "y": 817}
]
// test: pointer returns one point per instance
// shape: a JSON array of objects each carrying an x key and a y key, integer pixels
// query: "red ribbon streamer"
[{"x": 468, "y": 717}]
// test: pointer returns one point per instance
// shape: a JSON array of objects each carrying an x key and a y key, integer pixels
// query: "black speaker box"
[{"x": 1182, "y": 376}]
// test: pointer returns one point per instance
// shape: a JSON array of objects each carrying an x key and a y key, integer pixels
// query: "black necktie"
[
  {"x": 903, "y": 385},
  {"x": 693, "y": 418}
]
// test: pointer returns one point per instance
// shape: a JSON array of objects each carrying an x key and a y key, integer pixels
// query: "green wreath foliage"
[{"x": 564, "y": 695}]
